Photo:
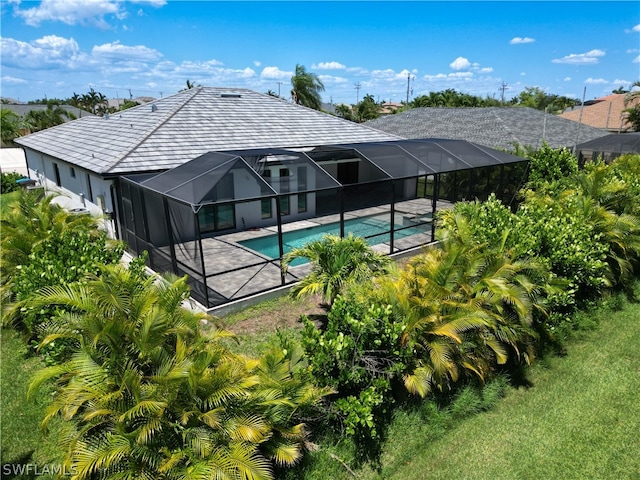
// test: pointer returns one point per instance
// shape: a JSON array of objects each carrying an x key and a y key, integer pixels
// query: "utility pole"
[
  {"x": 503, "y": 87},
  {"x": 408, "y": 87},
  {"x": 279, "y": 83},
  {"x": 357, "y": 87},
  {"x": 575, "y": 144}
]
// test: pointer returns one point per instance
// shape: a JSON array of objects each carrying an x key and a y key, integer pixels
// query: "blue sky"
[{"x": 54, "y": 48}]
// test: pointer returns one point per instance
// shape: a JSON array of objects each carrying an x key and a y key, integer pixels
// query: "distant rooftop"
[
  {"x": 496, "y": 127},
  {"x": 604, "y": 112}
]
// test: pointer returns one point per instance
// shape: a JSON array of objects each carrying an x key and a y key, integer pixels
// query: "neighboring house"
[
  {"x": 13, "y": 160},
  {"x": 84, "y": 158},
  {"x": 495, "y": 127},
  {"x": 390, "y": 107},
  {"x": 23, "y": 108},
  {"x": 605, "y": 113},
  {"x": 116, "y": 103}
]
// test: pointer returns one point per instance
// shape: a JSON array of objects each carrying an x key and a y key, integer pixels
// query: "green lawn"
[
  {"x": 22, "y": 439},
  {"x": 579, "y": 420}
]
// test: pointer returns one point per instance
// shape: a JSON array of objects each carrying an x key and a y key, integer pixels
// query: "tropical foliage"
[
  {"x": 30, "y": 220},
  {"x": 92, "y": 101},
  {"x": 11, "y": 126},
  {"x": 9, "y": 181},
  {"x": 452, "y": 98},
  {"x": 36, "y": 120},
  {"x": 337, "y": 262},
  {"x": 149, "y": 397},
  {"x": 306, "y": 88}
]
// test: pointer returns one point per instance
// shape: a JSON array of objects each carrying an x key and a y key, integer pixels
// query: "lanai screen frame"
[{"x": 154, "y": 213}]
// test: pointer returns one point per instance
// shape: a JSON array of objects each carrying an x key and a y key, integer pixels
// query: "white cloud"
[
  {"x": 595, "y": 81},
  {"x": 523, "y": 74},
  {"x": 118, "y": 51},
  {"x": 47, "y": 52},
  {"x": 332, "y": 79},
  {"x": 636, "y": 28},
  {"x": 454, "y": 75},
  {"x": 519, "y": 40},
  {"x": 567, "y": 79},
  {"x": 73, "y": 12},
  {"x": 460, "y": 63},
  {"x": 486, "y": 70},
  {"x": 636, "y": 60},
  {"x": 13, "y": 80},
  {"x": 632, "y": 50},
  {"x": 257, "y": 63},
  {"x": 275, "y": 72},
  {"x": 588, "y": 58},
  {"x": 328, "y": 66}
]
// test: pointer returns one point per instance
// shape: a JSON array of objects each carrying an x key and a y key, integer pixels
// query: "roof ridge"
[
  {"x": 496, "y": 111},
  {"x": 153, "y": 129}
]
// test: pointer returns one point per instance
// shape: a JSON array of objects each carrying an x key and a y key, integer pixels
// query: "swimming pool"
[{"x": 373, "y": 230}]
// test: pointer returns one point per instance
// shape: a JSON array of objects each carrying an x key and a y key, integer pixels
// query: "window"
[
  {"x": 265, "y": 205},
  {"x": 302, "y": 186},
  {"x": 73, "y": 172},
  {"x": 216, "y": 217},
  {"x": 56, "y": 171},
  {"x": 302, "y": 202},
  {"x": 89, "y": 188},
  {"x": 285, "y": 208}
]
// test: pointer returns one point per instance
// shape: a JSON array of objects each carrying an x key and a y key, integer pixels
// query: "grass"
[
  {"x": 21, "y": 437},
  {"x": 579, "y": 420},
  {"x": 8, "y": 198}
]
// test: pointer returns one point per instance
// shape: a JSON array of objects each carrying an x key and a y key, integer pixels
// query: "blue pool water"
[{"x": 373, "y": 230}]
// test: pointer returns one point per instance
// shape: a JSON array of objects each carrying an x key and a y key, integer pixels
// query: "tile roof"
[
  {"x": 496, "y": 127},
  {"x": 604, "y": 112},
  {"x": 170, "y": 131}
]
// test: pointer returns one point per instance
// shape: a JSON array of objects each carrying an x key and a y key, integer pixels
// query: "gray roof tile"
[
  {"x": 496, "y": 127},
  {"x": 191, "y": 123}
]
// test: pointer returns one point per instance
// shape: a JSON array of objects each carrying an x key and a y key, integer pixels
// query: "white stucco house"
[{"x": 83, "y": 159}]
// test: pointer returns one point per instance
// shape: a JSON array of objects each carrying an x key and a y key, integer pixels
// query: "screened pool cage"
[
  {"x": 226, "y": 218},
  {"x": 609, "y": 147}
]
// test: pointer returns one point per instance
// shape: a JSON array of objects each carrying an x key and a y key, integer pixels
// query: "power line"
[
  {"x": 357, "y": 87},
  {"x": 503, "y": 87}
]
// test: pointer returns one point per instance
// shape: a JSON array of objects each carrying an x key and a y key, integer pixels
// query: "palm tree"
[
  {"x": 367, "y": 109},
  {"x": 467, "y": 308},
  {"x": 632, "y": 116},
  {"x": 337, "y": 262},
  {"x": 632, "y": 95},
  {"x": 306, "y": 88},
  {"x": 148, "y": 396},
  {"x": 10, "y": 126},
  {"x": 603, "y": 200},
  {"x": 345, "y": 111},
  {"x": 38, "y": 120}
]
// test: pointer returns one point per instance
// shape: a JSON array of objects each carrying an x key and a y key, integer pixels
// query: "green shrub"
[
  {"x": 8, "y": 182},
  {"x": 359, "y": 356},
  {"x": 493, "y": 223},
  {"x": 59, "y": 260},
  {"x": 551, "y": 165}
]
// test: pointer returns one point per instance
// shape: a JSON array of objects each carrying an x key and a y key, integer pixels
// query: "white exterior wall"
[
  {"x": 95, "y": 190},
  {"x": 251, "y": 212}
]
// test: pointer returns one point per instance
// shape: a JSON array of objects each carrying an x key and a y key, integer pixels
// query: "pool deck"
[{"x": 235, "y": 271}]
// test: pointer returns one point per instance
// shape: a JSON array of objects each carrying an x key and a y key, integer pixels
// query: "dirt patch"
[{"x": 281, "y": 313}]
